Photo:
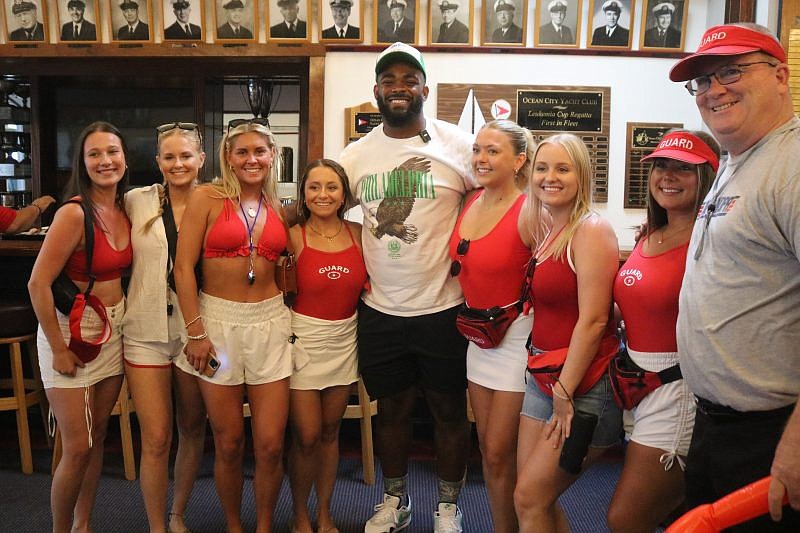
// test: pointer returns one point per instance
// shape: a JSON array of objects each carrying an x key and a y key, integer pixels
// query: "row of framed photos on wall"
[{"x": 556, "y": 23}]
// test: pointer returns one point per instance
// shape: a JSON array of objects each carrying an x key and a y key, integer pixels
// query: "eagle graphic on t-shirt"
[{"x": 398, "y": 200}]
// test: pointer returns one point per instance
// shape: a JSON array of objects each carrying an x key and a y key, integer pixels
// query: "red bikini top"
[
  {"x": 228, "y": 236},
  {"x": 107, "y": 263}
]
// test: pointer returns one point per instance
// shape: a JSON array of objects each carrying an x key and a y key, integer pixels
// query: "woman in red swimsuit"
[
  {"x": 82, "y": 394},
  {"x": 238, "y": 329},
  {"x": 646, "y": 291},
  {"x": 490, "y": 249},
  {"x": 577, "y": 258},
  {"x": 330, "y": 277}
]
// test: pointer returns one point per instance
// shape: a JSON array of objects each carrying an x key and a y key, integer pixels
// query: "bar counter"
[{"x": 11, "y": 247}]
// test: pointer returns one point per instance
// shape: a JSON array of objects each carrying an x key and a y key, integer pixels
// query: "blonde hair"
[
  {"x": 193, "y": 136},
  {"x": 538, "y": 224},
  {"x": 521, "y": 141},
  {"x": 227, "y": 184}
]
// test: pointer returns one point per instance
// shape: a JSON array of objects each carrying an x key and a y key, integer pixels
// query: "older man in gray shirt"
[{"x": 739, "y": 310}]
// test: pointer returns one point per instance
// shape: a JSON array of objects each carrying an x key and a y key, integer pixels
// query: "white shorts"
[
  {"x": 252, "y": 340},
  {"x": 331, "y": 350},
  {"x": 502, "y": 368},
  {"x": 665, "y": 418},
  {"x": 107, "y": 363},
  {"x": 153, "y": 354}
]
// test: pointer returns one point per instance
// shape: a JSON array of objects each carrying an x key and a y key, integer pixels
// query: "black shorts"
[
  {"x": 729, "y": 452},
  {"x": 398, "y": 352}
]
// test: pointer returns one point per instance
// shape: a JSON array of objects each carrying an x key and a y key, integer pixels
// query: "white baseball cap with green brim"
[{"x": 400, "y": 53}]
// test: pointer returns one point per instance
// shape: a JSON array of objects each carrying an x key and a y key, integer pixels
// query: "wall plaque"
[
  {"x": 360, "y": 120},
  {"x": 566, "y": 111},
  {"x": 589, "y": 106},
  {"x": 642, "y": 139}
]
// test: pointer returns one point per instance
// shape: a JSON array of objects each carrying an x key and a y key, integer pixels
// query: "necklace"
[
  {"x": 251, "y": 273},
  {"x": 329, "y": 238},
  {"x": 252, "y": 212},
  {"x": 677, "y": 232}
]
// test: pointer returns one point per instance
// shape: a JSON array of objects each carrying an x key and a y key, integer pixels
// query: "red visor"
[
  {"x": 683, "y": 146},
  {"x": 726, "y": 40},
  {"x": 87, "y": 350}
]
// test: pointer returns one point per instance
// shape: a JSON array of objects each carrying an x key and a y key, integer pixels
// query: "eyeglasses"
[
  {"x": 235, "y": 123},
  {"x": 725, "y": 76},
  {"x": 461, "y": 250}
]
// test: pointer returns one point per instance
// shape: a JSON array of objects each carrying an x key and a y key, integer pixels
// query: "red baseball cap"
[
  {"x": 684, "y": 146},
  {"x": 726, "y": 40}
]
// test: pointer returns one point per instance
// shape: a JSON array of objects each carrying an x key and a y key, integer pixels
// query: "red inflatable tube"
[{"x": 737, "y": 507}]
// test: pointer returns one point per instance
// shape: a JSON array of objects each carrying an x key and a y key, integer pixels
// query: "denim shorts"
[{"x": 597, "y": 400}]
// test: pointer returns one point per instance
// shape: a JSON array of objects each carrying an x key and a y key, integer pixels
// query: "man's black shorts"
[{"x": 397, "y": 352}]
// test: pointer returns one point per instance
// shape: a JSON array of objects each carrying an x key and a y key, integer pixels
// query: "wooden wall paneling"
[
  {"x": 740, "y": 11},
  {"x": 789, "y": 19},
  {"x": 314, "y": 121}
]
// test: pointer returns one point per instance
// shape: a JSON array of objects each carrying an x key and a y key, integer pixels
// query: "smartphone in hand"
[{"x": 212, "y": 365}]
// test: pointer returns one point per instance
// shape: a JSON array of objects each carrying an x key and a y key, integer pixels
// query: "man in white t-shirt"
[{"x": 410, "y": 176}]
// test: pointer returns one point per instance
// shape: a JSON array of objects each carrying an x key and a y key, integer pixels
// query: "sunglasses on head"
[
  {"x": 186, "y": 126},
  {"x": 461, "y": 250},
  {"x": 235, "y": 123}
]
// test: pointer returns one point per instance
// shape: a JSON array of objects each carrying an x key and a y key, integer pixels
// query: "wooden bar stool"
[
  {"x": 18, "y": 326},
  {"x": 364, "y": 410}
]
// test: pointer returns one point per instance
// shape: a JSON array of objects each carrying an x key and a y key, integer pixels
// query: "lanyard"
[{"x": 251, "y": 273}]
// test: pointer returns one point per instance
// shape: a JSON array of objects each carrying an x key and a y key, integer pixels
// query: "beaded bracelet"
[
  {"x": 200, "y": 337},
  {"x": 192, "y": 321}
]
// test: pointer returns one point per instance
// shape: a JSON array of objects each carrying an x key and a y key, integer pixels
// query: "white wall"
[{"x": 640, "y": 90}]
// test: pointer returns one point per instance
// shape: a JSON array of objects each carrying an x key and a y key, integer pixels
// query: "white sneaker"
[
  {"x": 389, "y": 516},
  {"x": 448, "y": 519}
]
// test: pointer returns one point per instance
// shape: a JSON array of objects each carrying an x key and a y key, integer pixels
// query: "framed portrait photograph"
[
  {"x": 558, "y": 23},
  {"x": 340, "y": 21},
  {"x": 182, "y": 20},
  {"x": 450, "y": 22},
  {"x": 610, "y": 23},
  {"x": 504, "y": 22},
  {"x": 289, "y": 20},
  {"x": 663, "y": 25},
  {"x": 77, "y": 19},
  {"x": 396, "y": 20},
  {"x": 26, "y": 21},
  {"x": 235, "y": 20},
  {"x": 131, "y": 20}
]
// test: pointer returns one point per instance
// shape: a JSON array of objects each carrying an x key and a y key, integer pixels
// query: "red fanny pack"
[
  {"x": 631, "y": 383},
  {"x": 545, "y": 367},
  {"x": 486, "y": 327},
  {"x": 87, "y": 350}
]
